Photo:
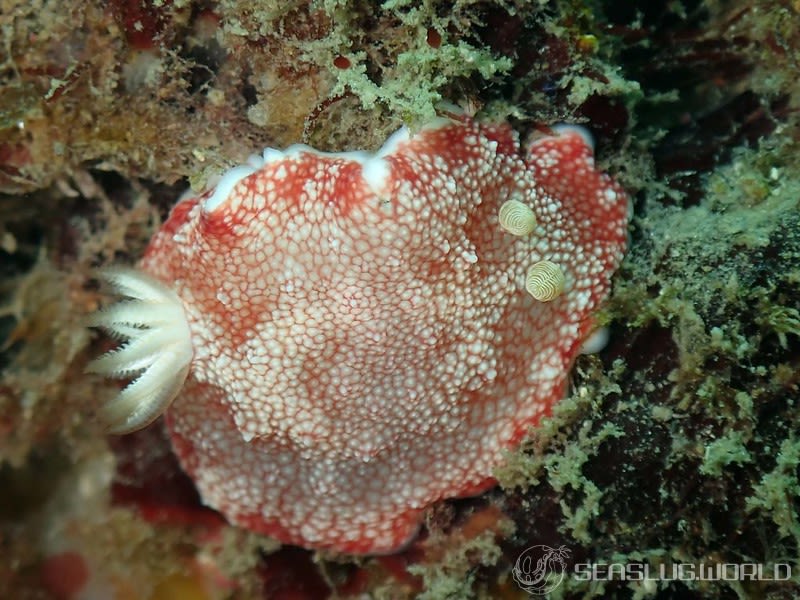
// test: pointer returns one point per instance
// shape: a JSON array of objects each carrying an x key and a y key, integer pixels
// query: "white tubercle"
[
  {"x": 374, "y": 167},
  {"x": 391, "y": 144},
  {"x": 581, "y": 131},
  {"x": 596, "y": 341},
  {"x": 271, "y": 155},
  {"x": 226, "y": 183},
  {"x": 376, "y": 173},
  {"x": 255, "y": 160},
  {"x": 158, "y": 350}
]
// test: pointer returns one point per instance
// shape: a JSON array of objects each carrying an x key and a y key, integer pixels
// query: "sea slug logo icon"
[{"x": 540, "y": 569}]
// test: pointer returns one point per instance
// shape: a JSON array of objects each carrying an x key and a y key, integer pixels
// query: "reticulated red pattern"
[{"x": 364, "y": 347}]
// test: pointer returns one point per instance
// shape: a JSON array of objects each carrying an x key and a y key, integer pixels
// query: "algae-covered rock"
[{"x": 676, "y": 444}]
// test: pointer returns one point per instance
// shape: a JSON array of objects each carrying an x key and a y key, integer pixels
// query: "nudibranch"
[{"x": 342, "y": 339}]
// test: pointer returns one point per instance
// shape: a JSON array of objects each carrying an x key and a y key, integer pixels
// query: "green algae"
[
  {"x": 412, "y": 74},
  {"x": 706, "y": 304},
  {"x": 774, "y": 493},
  {"x": 454, "y": 576}
]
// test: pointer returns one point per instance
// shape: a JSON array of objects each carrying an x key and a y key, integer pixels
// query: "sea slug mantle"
[{"x": 344, "y": 339}]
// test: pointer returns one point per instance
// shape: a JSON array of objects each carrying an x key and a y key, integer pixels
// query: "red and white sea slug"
[{"x": 344, "y": 339}]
